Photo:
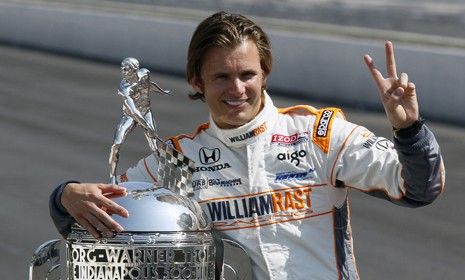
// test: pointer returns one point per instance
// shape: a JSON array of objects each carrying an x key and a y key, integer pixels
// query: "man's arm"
[
  {"x": 423, "y": 170},
  {"x": 61, "y": 218},
  {"x": 408, "y": 172},
  {"x": 419, "y": 178}
]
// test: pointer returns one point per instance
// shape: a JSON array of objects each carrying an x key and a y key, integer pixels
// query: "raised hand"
[
  {"x": 397, "y": 93},
  {"x": 90, "y": 205}
]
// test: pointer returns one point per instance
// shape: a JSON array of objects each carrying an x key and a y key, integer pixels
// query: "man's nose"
[{"x": 237, "y": 87}]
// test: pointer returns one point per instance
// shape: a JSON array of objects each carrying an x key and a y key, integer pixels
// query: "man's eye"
[
  {"x": 221, "y": 77},
  {"x": 248, "y": 76}
]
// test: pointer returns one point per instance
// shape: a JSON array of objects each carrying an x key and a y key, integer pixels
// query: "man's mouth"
[{"x": 235, "y": 102}]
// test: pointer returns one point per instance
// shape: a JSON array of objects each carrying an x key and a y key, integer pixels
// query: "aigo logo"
[
  {"x": 292, "y": 157},
  {"x": 209, "y": 156}
]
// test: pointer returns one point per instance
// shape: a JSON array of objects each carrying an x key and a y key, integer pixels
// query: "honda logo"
[{"x": 209, "y": 156}]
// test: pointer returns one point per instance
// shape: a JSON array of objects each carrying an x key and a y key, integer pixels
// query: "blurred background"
[{"x": 59, "y": 72}]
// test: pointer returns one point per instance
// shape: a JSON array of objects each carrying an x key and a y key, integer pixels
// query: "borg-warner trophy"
[{"x": 167, "y": 235}]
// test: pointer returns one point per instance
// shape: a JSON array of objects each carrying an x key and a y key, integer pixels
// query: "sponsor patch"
[
  {"x": 293, "y": 157},
  {"x": 383, "y": 144},
  {"x": 209, "y": 156},
  {"x": 323, "y": 123},
  {"x": 255, "y": 132},
  {"x": 289, "y": 140},
  {"x": 293, "y": 176},
  {"x": 212, "y": 168},
  {"x": 380, "y": 143},
  {"x": 322, "y": 127},
  {"x": 370, "y": 142},
  {"x": 215, "y": 182},
  {"x": 260, "y": 209}
]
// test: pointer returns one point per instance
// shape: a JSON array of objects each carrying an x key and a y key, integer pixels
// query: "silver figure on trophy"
[
  {"x": 135, "y": 88},
  {"x": 167, "y": 235}
]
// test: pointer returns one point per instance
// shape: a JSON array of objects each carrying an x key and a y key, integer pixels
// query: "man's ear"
[
  {"x": 264, "y": 81},
  {"x": 197, "y": 84}
]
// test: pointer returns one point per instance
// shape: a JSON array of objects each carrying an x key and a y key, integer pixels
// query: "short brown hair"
[{"x": 225, "y": 30}]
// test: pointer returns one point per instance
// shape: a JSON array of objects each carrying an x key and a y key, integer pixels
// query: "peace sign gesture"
[{"x": 397, "y": 93}]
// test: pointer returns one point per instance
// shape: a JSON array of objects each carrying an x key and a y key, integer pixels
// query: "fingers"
[
  {"x": 397, "y": 93},
  {"x": 110, "y": 188},
  {"x": 401, "y": 85},
  {"x": 390, "y": 60},
  {"x": 97, "y": 222},
  {"x": 88, "y": 204},
  {"x": 411, "y": 89},
  {"x": 377, "y": 76},
  {"x": 99, "y": 227},
  {"x": 403, "y": 80},
  {"x": 111, "y": 206},
  {"x": 89, "y": 227},
  {"x": 103, "y": 223}
]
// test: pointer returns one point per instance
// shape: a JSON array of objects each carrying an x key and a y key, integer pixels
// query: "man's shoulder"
[
  {"x": 298, "y": 110},
  {"x": 312, "y": 113},
  {"x": 178, "y": 140},
  {"x": 326, "y": 126}
]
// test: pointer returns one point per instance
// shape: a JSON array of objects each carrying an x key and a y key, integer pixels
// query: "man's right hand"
[{"x": 91, "y": 205}]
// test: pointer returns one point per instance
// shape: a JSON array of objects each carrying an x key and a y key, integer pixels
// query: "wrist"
[
  {"x": 64, "y": 192},
  {"x": 410, "y": 130}
]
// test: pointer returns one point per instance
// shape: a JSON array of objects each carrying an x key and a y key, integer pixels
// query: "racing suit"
[{"x": 279, "y": 184}]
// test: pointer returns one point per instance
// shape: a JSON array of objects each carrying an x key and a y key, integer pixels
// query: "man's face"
[{"x": 232, "y": 82}]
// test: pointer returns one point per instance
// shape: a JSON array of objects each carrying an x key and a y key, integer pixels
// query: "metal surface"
[
  {"x": 135, "y": 89},
  {"x": 155, "y": 209},
  {"x": 141, "y": 256},
  {"x": 45, "y": 262}
]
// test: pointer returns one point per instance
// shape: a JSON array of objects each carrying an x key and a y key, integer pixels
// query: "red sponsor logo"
[{"x": 293, "y": 139}]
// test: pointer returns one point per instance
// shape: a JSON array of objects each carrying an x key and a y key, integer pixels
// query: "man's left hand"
[{"x": 398, "y": 95}]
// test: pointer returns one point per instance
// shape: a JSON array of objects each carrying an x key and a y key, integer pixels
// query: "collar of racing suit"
[{"x": 250, "y": 132}]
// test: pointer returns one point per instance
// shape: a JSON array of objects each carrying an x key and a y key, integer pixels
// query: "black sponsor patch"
[
  {"x": 209, "y": 156},
  {"x": 379, "y": 143},
  {"x": 215, "y": 182},
  {"x": 323, "y": 123}
]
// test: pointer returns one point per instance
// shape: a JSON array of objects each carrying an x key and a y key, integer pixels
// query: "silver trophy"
[
  {"x": 167, "y": 235},
  {"x": 135, "y": 88}
]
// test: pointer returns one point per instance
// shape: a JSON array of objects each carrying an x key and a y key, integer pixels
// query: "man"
[{"x": 277, "y": 180}]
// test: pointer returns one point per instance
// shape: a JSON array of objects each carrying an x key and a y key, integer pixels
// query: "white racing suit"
[{"x": 278, "y": 185}]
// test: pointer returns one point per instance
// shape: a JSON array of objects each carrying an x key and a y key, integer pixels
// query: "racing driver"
[{"x": 276, "y": 180}]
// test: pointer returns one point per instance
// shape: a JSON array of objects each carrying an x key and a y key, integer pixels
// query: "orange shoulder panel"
[
  {"x": 175, "y": 139},
  {"x": 299, "y": 109},
  {"x": 322, "y": 128}
]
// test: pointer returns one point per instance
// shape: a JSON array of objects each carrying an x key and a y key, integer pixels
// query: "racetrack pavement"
[{"x": 57, "y": 117}]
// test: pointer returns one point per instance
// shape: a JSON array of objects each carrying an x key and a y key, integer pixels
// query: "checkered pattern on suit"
[{"x": 174, "y": 169}]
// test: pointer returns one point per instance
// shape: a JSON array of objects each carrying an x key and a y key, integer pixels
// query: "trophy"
[{"x": 167, "y": 235}]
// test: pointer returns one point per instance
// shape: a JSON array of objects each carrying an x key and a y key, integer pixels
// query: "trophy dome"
[{"x": 155, "y": 209}]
